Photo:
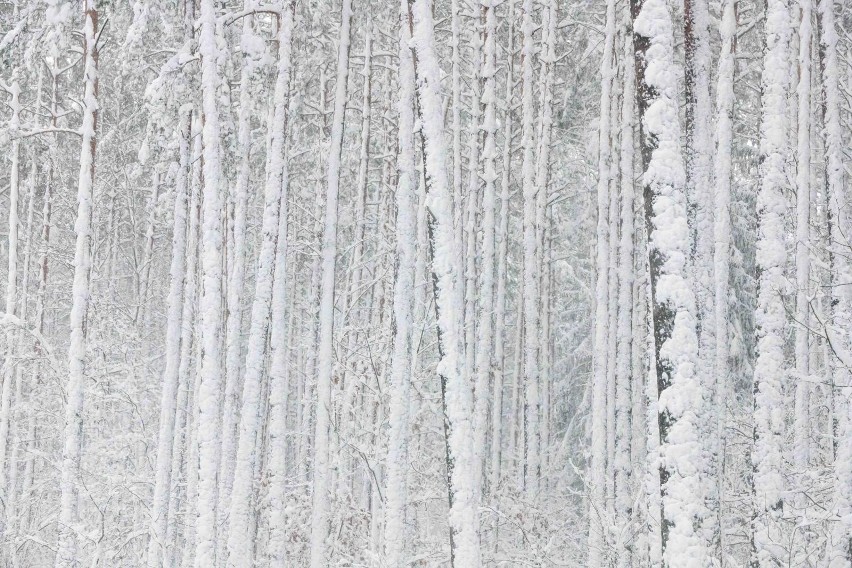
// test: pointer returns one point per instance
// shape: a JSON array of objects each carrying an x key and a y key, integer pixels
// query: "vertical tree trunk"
[
  {"x": 680, "y": 391},
  {"x": 722, "y": 242},
  {"x": 66, "y": 546},
  {"x": 236, "y": 277},
  {"x": 624, "y": 377},
  {"x": 530, "y": 296},
  {"x": 484, "y": 347},
  {"x": 401, "y": 363},
  {"x": 278, "y": 370},
  {"x": 11, "y": 295},
  {"x": 168, "y": 408},
  {"x": 325, "y": 354},
  {"x": 839, "y": 550},
  {"x": 502, "y": 239},
  {"x": 598, "y": 428},
  {"x": 464, "y": 514},
  {"x": 803, "y": 204},
  {"x": 210, "y": 304},
  {"x": 240, "y": 538},
  {"x": 767, "y": 456}
]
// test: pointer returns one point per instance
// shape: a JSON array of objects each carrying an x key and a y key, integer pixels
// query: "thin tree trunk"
[
  {"x": 722, "y": 243},
  {"x": 325, "y": 356},
  {"x": 403, "y": 308},
  {"x": 597, "y": 468},
  {"x": 168, "y": 408},
  {"x": 66, "y": 546}
]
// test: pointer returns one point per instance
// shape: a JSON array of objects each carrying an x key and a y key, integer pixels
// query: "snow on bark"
[
  {"x": 530, "y": 241},
  {"x": 238, "y": 199},
  {"x": 767, "y": 455},
  {"x": 168, "y": 408},
  {"x": 680, "y": 390},
  {"x": 11, "y": 292},
  {"x": 485, "y": 331},
  {"x": 210, "y": 308},
  {"x": 502, "y": 238},
  {"x": 464, "y": 514},
  {"x": 839, "y": 548},
  {"x": 597, "y": 468},
  {"x": 66, "y": 545},
  {"x": 624, "y": 377},
  {"x": 279, "y": 340},
  {"x": 722, "y": 235},
  {"x": 325, "y": 354},
  {"x": 803, "y": 205},
  {"x": 397, "y": 459},
  {"x": 240, "y": 536}
]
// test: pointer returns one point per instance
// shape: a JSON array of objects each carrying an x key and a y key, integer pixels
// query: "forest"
[{"x": 426, "y": 283}]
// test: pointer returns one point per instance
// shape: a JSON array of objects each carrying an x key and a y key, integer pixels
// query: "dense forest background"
[{"x": 425, "y": 283}]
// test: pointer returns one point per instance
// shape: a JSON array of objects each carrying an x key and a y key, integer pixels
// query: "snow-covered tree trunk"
[
  {"x": 240, "y": 538},
  {"x": 464, "y": 514},
  {"x": 325, "y": 353},
  {"x": 680, "y": 390},
  {"x": 168, "y": 408},
  {"x": 11, "y": 294},
  {"x": 502, "y": 239},
  {"x": 722, "y": 240},
  {"x": 238, "y": 198},
  {"x": 801, "y": 427},
  {"x": 839, "y": 548},
  {"x": 66, "y": 545},
  {"x": 767, "y": 456},
  {"x": 210, "y": 303},
  {"x": 485, "y": 296},
  {"x": 624, "y": 329},
  {"x": 699, "y": 194},
  {"x": 530, "y": 240},
  {"x": 396, "y": 507},
  {"x": 279, "y": 341},
  {"x": 597, "y": 469}
]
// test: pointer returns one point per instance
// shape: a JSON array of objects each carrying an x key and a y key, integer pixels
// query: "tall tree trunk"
[
  {"x": 279, "y": 341},
  {"x": 597, "y": 469},
  {"x": 325, "y": 354},
  {"x": 66, "y": 546},
  {"x": 11, "y": 295},
  {"x": 464, "y": 514},
  {"x": 403, "y": 308},
  {"x": 168, "y": 408},
  {"x": 801, "y": 428},
  {"x": 767, "y": 457},
  {"x": 722, "y": 243},
  {"x": 839, "y": 550},
  {"x": 240, "y": 539},
  {"x": 680, "y": 391},
  {"x": 210, "y": 304},
  {"x": 625, "y": 380}
]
